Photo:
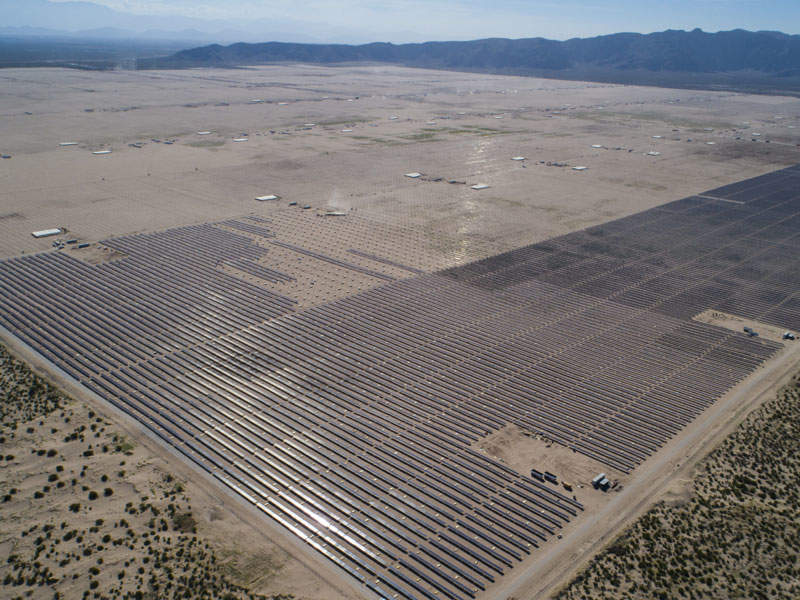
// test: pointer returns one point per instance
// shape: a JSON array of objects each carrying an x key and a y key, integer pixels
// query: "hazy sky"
[{"x": 464, "y": 19}]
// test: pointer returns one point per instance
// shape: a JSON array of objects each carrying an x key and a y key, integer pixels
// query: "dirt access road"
[{"x": 667, "y": 471}]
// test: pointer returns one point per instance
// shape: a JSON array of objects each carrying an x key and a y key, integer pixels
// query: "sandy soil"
[
  {"x": 523, "y": 451},
  {"x": 447, "y": 127},
  {"x": 317, "y": 281},
  {"x": 734, "y": 323}
]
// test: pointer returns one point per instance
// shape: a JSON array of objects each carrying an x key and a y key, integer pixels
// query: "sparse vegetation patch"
[
  {"x": 738, "y": 535},
  {"x": 23, "y": 395},
  {"x": 75, "y": 524}
]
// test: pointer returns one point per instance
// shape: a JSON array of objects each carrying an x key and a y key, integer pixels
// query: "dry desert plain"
[
  {"x": 199, "y": 146},
  {"x": 345, "y": 137}
]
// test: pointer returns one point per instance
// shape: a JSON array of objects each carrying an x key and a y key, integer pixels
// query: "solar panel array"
[{"x": 352, "y": 424}]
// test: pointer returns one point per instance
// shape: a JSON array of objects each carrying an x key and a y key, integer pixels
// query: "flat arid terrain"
[
  {"x": 345, "y": 137},
  {"x": 326, "y": 329}
]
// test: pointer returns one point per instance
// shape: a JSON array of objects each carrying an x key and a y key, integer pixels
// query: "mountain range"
[
  {"x": 42, "y": 32},
  {"x": 763, "y": 61},
  {"x": 695, "y": 51}
]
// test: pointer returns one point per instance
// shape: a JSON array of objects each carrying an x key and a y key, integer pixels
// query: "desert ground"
[
  {"x": 345, "y": 137},
  {"x": 199, "y": 146}
]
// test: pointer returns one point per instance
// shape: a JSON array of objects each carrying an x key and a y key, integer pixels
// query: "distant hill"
[
  {"x": 687, "y": 58},
  {"x": 97, "y": 51},
  {"x": 88, "y": 20}
]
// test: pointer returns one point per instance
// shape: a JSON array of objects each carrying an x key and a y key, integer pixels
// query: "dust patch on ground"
[
  {"x": 734, "y": 323},
  {"x": 96, "y": 254},
  {"x": 161, "y": 173},
  {"x": 210, "y": 144},
  {"x": 523, "y": 451}
]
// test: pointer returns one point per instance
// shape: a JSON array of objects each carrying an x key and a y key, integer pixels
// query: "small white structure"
[
  {"x": 414, "y": 175},
  {"x": 347, "y": 131},
  {"x": 393, "y": 118},
  {"x": 46, "y": 233},
  {"x": 203, "y": 133},
  {"x": 309, "y": 124},
  {"x": 241, "y": 140},
  {"x": 517, "y": 158},
  {"x": 498, "y": 116},
  {"x": 657, "y": 137},
  {"x": 597, "y": 146},
  {"x": 480, "y": 186},
  {"x": 102, "y": 152},
  {"x": 68, "y": 144},
  {"x": 579, "y": 168},
  {"x": 710, "y": 143},
  {"x": 282, "y": 103},
  {"x": 256, "y": 101},
  {"x": 653, "y": 153},
  {"x": 267, "y": 198}
]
